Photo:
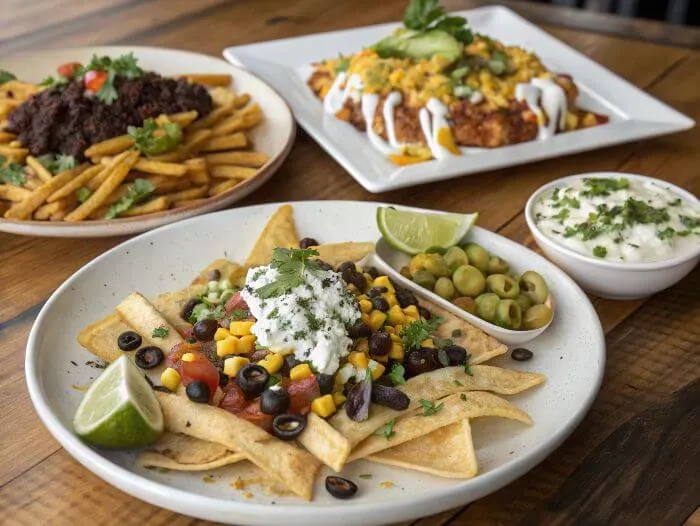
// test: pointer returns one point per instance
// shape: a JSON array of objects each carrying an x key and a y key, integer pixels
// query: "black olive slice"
[
  {"x": 252, "y": 379},
  {"x": 129, "y": 340},
  {"x": 274, "y": 400},
  {"x": 288, "y": 426},
  {"x": 149, "y": 357}
]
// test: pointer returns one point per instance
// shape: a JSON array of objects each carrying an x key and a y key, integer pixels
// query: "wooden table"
[{"x": 633, "y": 460}]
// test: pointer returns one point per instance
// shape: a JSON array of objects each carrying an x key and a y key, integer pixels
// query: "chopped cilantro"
[
  {"x": 690, "y": 222},
  {"x": 429, "y": 15},
  {"x": 388, "y": 430},
  {"x": 463, "y": 397},
  {"x": 152, "y": 138},
  {"x": 397, "y": 374},
  {"x": 273, "y": 379},
  {"x": 600, "y": 186},
  {"x": 442, "y": 357},
  {"x": 6, "y": 76},
  {"x": 666, "y": 233},
  {"x": 291, "y": 265},
  {"x": 54, "y": 82},
  {"x": 600, "y": 252},
  {"x": 139, "y": 190},
  {"x": 675, "y": 202},
  {"x": 468, "y": 368},
  {"x": 415, "y": 332},
  {"x": 239, "y": 314},
  {"x": 82, "y": 194},
  {"x": 160, "y": 332},
  {"x": 12, "y": 173},
  {"x": 343, "y": 64},
  {"x": 429, "y": 408},
  {"x": 57, "y": 163}
]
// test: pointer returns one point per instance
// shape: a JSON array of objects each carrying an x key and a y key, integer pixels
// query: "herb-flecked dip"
[{"x": 619, "y": 219}]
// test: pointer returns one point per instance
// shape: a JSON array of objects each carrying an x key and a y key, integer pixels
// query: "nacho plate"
[{"x": 571, "y": 380}]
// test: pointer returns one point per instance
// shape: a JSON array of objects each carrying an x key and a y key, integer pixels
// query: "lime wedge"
[
  {"x": 120, "y": 410},
  {"x": 414, "y": 232}
]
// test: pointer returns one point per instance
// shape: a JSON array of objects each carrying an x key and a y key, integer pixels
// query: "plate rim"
[
  {"x": 166, "y": 496},
  {"x": 131, "y": 225}
]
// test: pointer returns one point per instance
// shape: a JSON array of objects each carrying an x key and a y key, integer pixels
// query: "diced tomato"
[
  {"x": 94, "y": 80},
  {"x": 301, "y": 394},
  {"x": 253, "y": 414},
  {"x": 68, "y": 69},
  {"x": 200, "y": 369},
  {"x": 235, "y": 302},
  {"x": 234, "y": 400},
  {"x": 186, "y": 333},
  {"x": 174, "y": 357}
]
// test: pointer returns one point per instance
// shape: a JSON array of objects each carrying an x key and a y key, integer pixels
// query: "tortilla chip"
[
  {"x": 433, "y": 386},
  {"x": 279, "y": 232},
  {"x": 229, "y": 270},
  {"x": 455, "y": 408},
  {"x": 324, "y": 442},
  {"x": 151, "y": 459},
  {"x": 336, "y": 253},
  {"x": 446, "y": 452},
  {"x": 288, "y": 464},
  {"x": 480, "y": 346},
  {"x": 185, "y": 449},
  {"x": 144, "y": 317}
]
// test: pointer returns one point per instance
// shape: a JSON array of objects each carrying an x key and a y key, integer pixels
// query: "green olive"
[
  {"x": 524, "y": 302},
  {"x": 465, "y": 303},
  {"x": 478, "y": 257},
  {"x": 455, "y": 257},
  {"x": 436, "y": 250},
  {"x": 508, "y": 314},
  {"x": 424, "y": 278},
  {"x": 469, "y": 281},
  {"x": 497, "y": 265},
  {"x": 444, "y": 288},
  {"x": 486, "y": 306},
  {"x": 405, "y": 272},
  {"x": 435, "y": 264},
  {"x": 537, "y": 316},
  {"x": 505, "y": 286},
  {"x": 534, "y": 287}
]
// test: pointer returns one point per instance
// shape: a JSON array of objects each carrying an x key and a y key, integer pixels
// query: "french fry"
[
  {"x": 6, "y": 137},
  {"x": 242, "y": 120},
  {"x": 222, "y": 96},
  {"x": 14, "y": 193},
  {"x": 220, "y": 188},
  {"x": 184, "y": 119},
  {"x": 210, "y": 120},
  {"x": 39, "y": 169},
  {"x": 197, "y": 170},
  {"x": 32, "y": 182},
  {"x": 45, "y": 211},
  {"x": 209, "y": 79},
  {"x": 172, "y": 184},
  {"x": 4, "y": 207},
  {"x": 226, "y": 142},
  {"x": 179, "y": 154},
  {"x": 160, "y": 168},
  {"x": 154, "y": 205},
  {"x": 117, "y": 173},
  {"x": 79, "y": 181},
  {"x": 15, "y": 144},
  {"x": 188, "y": 202},
  {"x": 233, "y": 172},
  {"x": 25, "y": 208},
  {"x": 111, "y": 146},
  {"x": 241, "y": 100},
  {"x": 186, "y": 195},
  {"x": 17, "y": 155},
  {"x": 99, "y": 178},
  {"x": 249, "y": 159},
  {"x": 195, "y": 140}
]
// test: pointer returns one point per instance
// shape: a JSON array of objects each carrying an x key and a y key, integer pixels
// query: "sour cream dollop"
[{"x": 310, "y": 319}]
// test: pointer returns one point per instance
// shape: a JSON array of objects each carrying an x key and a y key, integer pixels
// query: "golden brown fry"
[
  {"x": 6, "y": 137},
  {"x": 241, "y": 100},
  {"x": 79, "y": 181},
  {"x": 197, "y": 170},
  {"x": 45, "y": 211},
  {"x": 188, "y": 202},
  {"x": 210, "y": 120},
  {"x": 160, "y": 168},
  {"x": 220, "y": 188},
  {"x": 33, "y": 182},
  {"x": 111, "y": 146},
  {"x": 117, "y": 173},
  {"x": 242, "y": 120},
  {"x": 25, "y": 208},
  {"x": 17, "y": 155},
  {"x": 14, "y": 193},
  {"x": 195, "y": 140},
  {"x": 39, "y": 169},
  {"x": 179, "y": 154},
  {"x": 226, "y": 142},
  {"x": 172, "y": 184},
  {"x": 4, "y": 207},
  {"x": 15, "y": 144},
  {"x": 233, "y": 172},
  {"x": 222, "y": 96},
  {"x": 192, "y": 193},
  {"x": 154, "y": 205},
  {"x": 99, "y": 178},
  {"x": 208, "y": 79},
  {"x": 184, "y": 118},
  {"x": 249, "y": 159}
]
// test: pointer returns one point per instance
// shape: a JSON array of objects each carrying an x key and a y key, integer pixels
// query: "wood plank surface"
[{"x": 630, "y": 461}]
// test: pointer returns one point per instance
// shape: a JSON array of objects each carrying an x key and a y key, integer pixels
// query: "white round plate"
[
  {"x": 571, "y": 353},
  {"x": 274, "y": 136}
]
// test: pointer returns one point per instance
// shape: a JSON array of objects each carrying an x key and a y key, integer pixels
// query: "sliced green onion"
[
  {"x": 463, "y": 92},
  {"x": 225, "y": 284},
  {"x": 460, "y": 73},
  {"x": 213, "y": 286}
]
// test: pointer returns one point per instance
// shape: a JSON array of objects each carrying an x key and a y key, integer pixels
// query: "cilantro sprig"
[
  {"x": 415, "y": 332},
  {"x": 428, "y": 15},
  {"x": 397, "y": 374},
  {"x": 57, "y": 163},
  {"x": 12, "y": 173},
  {"x": 430, "y": 408},
  {"x": 139, "y": 190},
  {"x": 291, "y": 264},
  {"x": 388, "y": 430},
  {"x": 160, "y": 332},
  {"x": 152, "y": 138},
  {"x": 6, "y": 76}
]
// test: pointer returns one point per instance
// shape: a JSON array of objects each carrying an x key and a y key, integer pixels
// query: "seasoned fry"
[
  {"x": 11, "y": 192},
  {"x": 220, "y": 188},
  {"x": 195, "y": 141},
  {"x": 184, "y": 118},
  {"x": 4, "y": 207},
  {"x": 244, "y": 119},
  {"x": 33, "y": 182},
  {"x": 45, "y": 211},
  {"x": 186, "y": 195},
  {"x": 154, "y": 205},
  {"x": 197, "y": 170},
  {"x": 117, "y": 173},
  {"x": 241, "y": 100},
  {"x": 25, "y": 208},
  {"x": 188, "y": 202},
  {"x": 250, "y": 159},
  {"x": 160, "y": 168},
  {"x": 209, "y": 79},
  {"x": 81, "y": 180},
  {"x": 6, "y": 137},
  {"x": 233, "y": 172},
  {"x": 226, "y": 142},
  {"x": 210, "y": 120},
  {"x": 110, "y": 146},
  {"x": 99, "y": 178},
  {"x": 174, "y": 156},
  {"x": 17, "y": 155},
  {"x": 38, "y": 168}
]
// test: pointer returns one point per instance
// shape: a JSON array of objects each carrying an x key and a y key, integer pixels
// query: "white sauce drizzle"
[
  {"x": 370, "y": 101},
  {"x": 337, "y": 95},
  {"x": 431, "y": 127},
  {"x": 551, "y": 97},
  {"x": 393, "y": 100}
]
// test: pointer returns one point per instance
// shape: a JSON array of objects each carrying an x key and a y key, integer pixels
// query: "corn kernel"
[
  {"x": 273, "y": 362},
  {"x": 384, "y": 358},
  {"x": 389, "y": 329},
  {"x": 188, "y": 357},
  {"x": 398, "y": 329},
  {"x": 234, "y": 364},
  {"x": 396, "y": 316},
  {"x": 170, "y": 378},
  {"x": 353, "y": 289},
  {"x": 241, "y": 328},
  {"x": 365, "y": 305},
  {"x": 428, "y": 342},
  {"x": 383, "y": 281},
  {"x": 300, "y": 372},
  {"x": 376, "y": 368},
  {"x": 323, "y": 406},
  {"x": 246, "y": 344},
  {"x": 227, "y": 346},
  {"x": 376, "y": 320},
  {"x": 412, "y": 312},
  {"x": 358, "y": 359},
  {"x": 362, "y": 345},
  {"x": 221, "y": 334},
  {"x": 396, "y": 352},
  {"x": 365, "y": 318},
  {"x": 368, "y": 277},
  {"x": 391, "y": 299},
  {"x": 395, "y": 338},
  {"x": 339, "y": 399}
]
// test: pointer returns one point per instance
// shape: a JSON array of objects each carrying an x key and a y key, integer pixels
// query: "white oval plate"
[
  {"x": 274, "y": 136},
  {"x": 571, "y": 353}
]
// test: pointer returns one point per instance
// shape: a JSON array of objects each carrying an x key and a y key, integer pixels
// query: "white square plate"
[{"x": 285, "y": 64}]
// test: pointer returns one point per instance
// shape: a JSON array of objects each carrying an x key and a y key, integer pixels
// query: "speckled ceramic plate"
[
  {"x": 571, "y": 353},
  {"x": 274, "y": 136}
]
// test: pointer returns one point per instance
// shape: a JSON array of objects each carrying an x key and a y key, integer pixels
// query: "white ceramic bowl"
[{"x": 611, "y": 279}]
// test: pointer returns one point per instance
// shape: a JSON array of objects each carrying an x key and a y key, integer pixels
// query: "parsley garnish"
[
  {"x": 600, "y": 186},
  {"x": 54, "y": 82},
  {"x": 139, "y": 190},
  {"x": 291, "y": 265},
  {"x": 690, "y": 222},
  {"x": 6, "y": 76},
  {"x": 239, "y": 314},
  {"x": 468, "y": 368},
  {"x": 82, "y": 194},
  {"x": 152, "y": 139},
  {"x": 160, "y": 332},
  {"x": 397, "y": 374},
  {"x": 13, "y": 173},
  {"x": 429, "y": 408},
  {"x": 442, "y": 357},
  {"x": 415, "y": 332},
  {"x": 124, "y": 66},
  {"x": 600, "y": 252},
  {"x": 57, "y": 163},
  {"x": 428, "y": 15},
  {"x": 388, "y": 430}
]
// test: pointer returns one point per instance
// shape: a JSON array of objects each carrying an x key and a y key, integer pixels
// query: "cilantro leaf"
[
  {"x": 57, "y": 163},
  {"x": 415, "y": 332},
  {"x": 690, "y": 222},
  {"x": 139, "y": 190},
  {"x": 429, "y": 408},
  {"x": 160, "y": 332},
  {"x": 600, "y": 252},
  {"x": 388, "y": 430},
  {"x": 152, "y": 139},
  {"x": 6, "y": 76},
  {"x": 397, "y": 374},
  {"x": 54, "y": 82},
  {"x": 468, "y": 368},
  {"x": 83, "y": 194},
  {"x": 108, "y": 93},
  {"x": 602, "y": 186},
  {"x": 291, "y": 265},
  {"x": 12, "y": 173},
  {"x": 427, "y": 15},
  {"x": 239, "y": 314}
]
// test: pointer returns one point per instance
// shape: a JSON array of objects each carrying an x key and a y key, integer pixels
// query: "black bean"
[
  {"x": 308, "y": 242},
  {"x": 456, "y": 355},
  {"x": 372, "y": 271},
  {"x": 324, "y": 265},
  {"x": 340, "y": 488},
  {"x": 420, "y": 361},
  {"x": 214, "y": 275},
  {"x": 359, "y": 330},
  {"x": 129, "y": 340},
  {"x": 347, "y": 265},
  {"x": 425, "y": 313},
  {"x": 186, "y": 311},
  {"x": 390, "y": 397},
  {"x": 325, "y": 383},
  {"x": 376, "y": 291},
  {"x": 355, "y": 278},
  {"x": 148, "y": 357},
  {"x": 204, "y": 330},
  {"x": 380, "y": 303},
  {"x": 379, "y": 344},
  {"x": 405, "y": 297},
  {"x": 521, "y": 354}
]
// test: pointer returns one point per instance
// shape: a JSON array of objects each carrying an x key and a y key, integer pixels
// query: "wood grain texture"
[{"x": 627, "y": 463}]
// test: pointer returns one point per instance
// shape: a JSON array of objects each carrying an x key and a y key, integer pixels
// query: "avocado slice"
[{"x": 406, "y": 43}]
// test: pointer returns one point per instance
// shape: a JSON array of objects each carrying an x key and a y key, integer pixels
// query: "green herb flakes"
[
  {"x": 138, "y": 191},
  {"x": 12, "y": 173},
  {"x": 388, "y": 430},
  {"x": 600, "y": 252},
  {"x": 291, "y": 265},
  {"x": 429, "y": 408},
  {"x": 160, "y": 332},
  {"x": 397, "y": 374},
  {"x": 153, "y": 139},
  {"x": 415, "y": 332}
]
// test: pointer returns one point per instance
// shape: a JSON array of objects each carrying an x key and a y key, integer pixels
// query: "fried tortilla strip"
[
  {"x": 150, "y": 459},
  {"x": 185, "y": 449},
  {"x": 480, "y": 346},
  {"x": 228, "y": 269},
  {"x": 324, "y": 442},
  {"x": 446, "y": 452},
  {"x": 455, "y": 408},
  {"x": 288, "y": 464},
  {"x": 25, "y": 208},
  {"x": 143, "y": 317},
  {"x": 336, "y": 253},
  {"x": 76, "y": 183},
  {"x": 433, "y": 386},
  {"x": 280, "y": 231}
]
